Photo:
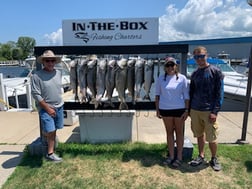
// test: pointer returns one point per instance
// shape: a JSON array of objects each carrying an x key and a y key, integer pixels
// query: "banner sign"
[{"x": 130, "y": 31}]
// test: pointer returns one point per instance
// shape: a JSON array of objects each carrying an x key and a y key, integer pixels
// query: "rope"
[{"x": 3, "y": 102}]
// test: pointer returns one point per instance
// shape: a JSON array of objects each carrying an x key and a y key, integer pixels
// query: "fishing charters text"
[{"x": 117, "y": 36}]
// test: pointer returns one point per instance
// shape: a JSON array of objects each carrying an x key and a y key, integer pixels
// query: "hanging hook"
[
  {"x": 146, "y": 115},
  {"x": 137, "y": 113}
]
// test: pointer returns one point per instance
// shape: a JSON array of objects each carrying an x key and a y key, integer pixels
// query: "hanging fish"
[
  {"x": 74, "y": 77},
  {"x": 91, "y": 77},
  {"x": 83, "y": 69},
  {"x": 139, "y": 77},
  {"x": 100, "y": 81},
  {"x": 121, "y": 82},
  {"x": 110, "y": 82},
  {"x": 148, "y": 78},
  {"x": 131, "y": 79}
]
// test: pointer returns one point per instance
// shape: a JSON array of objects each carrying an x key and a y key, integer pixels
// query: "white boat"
[
  {"x": 225, "y": 57},
  {"x": 243, "y": 67},
  {"x": 15, "y": 91},
  {"x": 235, "y": 84}
]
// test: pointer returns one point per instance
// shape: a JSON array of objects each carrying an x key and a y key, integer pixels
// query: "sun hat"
[
  {"x": 48, "y": 54},
  {"x": 170, "y": 59}
]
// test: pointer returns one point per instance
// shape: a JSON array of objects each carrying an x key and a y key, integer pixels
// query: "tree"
[
  {"x": 17, "y": 53},
  {"x": 27, "y": 45},
  {"x": 12, "y": 44},
  {"x": 6, "y": 52}
]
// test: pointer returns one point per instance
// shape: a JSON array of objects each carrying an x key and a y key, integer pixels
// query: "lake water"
[{"x": 14, "y": 71}]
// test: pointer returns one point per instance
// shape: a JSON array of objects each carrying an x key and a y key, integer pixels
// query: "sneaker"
[
  {"x": 215, "y": 164},
  {"x": 199, "y": 160},
  {"x": 53, "y": 157}
]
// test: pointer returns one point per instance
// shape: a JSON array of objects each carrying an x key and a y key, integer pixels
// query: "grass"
[{"x": 136, "y": 165}]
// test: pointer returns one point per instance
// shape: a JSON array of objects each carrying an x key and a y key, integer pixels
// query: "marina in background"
[
  {"x": 15, "y": 83},
  {"x": 16, "y": 80},
  {"x": 235, "y": 51}
]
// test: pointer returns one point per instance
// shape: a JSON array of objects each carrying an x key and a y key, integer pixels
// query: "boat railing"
[
  {"x": 9, "y": 63},
  {"x": 4, "y": 97}
]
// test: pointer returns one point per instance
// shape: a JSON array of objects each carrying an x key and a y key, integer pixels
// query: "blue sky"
[{"x": 178, "y": 19}]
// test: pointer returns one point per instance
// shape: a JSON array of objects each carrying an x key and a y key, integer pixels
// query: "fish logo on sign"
[{"x": 82, "y": 35}]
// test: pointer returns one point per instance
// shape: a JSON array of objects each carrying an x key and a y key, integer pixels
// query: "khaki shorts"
[{"x": 200, "y": 124}]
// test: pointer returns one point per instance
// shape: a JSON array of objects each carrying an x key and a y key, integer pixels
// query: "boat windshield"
[
  {"x": 14, "y": 71},
  {"x": 191, "y": 67},
  {"x": 225, "y": 67},
  {"x": 63, "y": 68},
  {"x": 223, "y": 56},
  {"x": 222, "y": 67}
]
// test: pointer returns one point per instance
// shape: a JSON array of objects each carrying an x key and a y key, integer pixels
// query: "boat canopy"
[{"x": 209, "y": 60}]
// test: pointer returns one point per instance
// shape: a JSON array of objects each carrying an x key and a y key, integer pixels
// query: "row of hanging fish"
[{"x": 103, "y": 78}]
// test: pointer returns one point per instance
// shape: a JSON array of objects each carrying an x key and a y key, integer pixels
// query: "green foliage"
[
  {"x": 17, "y": 53},
  {"x": 17, "y": 50},
  {"x": 26, "y": 44},
  {"x": 6, "y": 51},
  {"x": 2, "y": 58}
]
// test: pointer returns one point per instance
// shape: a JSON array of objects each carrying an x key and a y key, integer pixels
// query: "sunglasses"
[
  {"x": 169, "y": 65},
  {"x": 50, "y": 60},
  {"x": 196, "y": 57}
]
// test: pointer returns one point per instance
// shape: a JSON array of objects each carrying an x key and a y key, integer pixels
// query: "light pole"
[{"x": 248, "y": 96}]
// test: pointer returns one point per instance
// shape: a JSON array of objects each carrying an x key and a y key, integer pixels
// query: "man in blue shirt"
[{"x": 206, "y": 95}]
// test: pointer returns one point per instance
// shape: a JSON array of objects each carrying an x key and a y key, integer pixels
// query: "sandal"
[
  {"x": 177, "y": 163},
  {"x": 168, "y": 161}
]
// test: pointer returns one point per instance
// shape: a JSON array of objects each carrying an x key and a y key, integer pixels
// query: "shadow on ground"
[{"x": 12, "y": 162}]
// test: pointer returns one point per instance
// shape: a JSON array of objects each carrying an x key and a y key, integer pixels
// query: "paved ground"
[{"x": 19, "y": 129}]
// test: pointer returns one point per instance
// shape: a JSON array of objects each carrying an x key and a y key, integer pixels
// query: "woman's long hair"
[{"x": 176, "y": 73}]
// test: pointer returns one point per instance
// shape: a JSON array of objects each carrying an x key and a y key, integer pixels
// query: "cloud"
[
  {"x": 197, "y": 20},
  {"x": 206, "y": 20},
  {"x": 54, "y": 38}
]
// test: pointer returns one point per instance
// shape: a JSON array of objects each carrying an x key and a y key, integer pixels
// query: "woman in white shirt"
[{"x": 172, "y": 103}]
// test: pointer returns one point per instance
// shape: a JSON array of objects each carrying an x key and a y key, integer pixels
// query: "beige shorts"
[{"x": 200, "y": 124}]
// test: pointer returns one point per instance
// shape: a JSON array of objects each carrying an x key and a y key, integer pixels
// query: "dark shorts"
[{"x": 172, "y": 113}]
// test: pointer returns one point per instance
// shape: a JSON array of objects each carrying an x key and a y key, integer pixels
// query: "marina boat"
[
  {"x": 242, "y": 67},
  {"x": 15, "y": 89},
  {"x": 225, "y": 57},
  {"x": 15, "y": 93},
  {"x": 235, "y": 84},
  {"x": 9, "y": 63}
]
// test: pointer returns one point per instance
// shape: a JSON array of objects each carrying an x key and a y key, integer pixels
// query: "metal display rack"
[{"x": 120, "y": 50}]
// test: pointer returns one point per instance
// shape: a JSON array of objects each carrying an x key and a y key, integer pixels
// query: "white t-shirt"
[{"x": 172, "y": 91}]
